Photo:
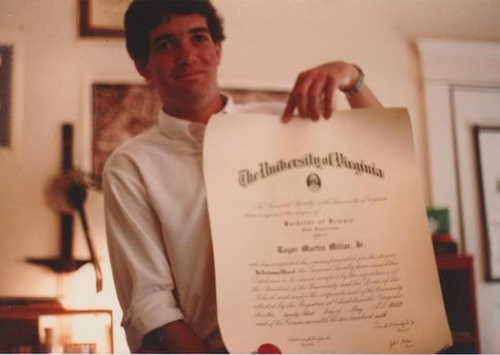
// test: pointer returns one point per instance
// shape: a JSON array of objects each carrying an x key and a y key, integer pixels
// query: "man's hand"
[
  {"x": 175, "y": 337},
  {"x": 312, "y": 94}
]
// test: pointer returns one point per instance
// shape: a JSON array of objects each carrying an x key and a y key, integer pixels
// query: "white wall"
[
  {"x": 269, "y": 42},
  {"x": 462, "y": 89}
]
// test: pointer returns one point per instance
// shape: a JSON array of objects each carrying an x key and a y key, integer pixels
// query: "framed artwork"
[
  {"x": 243, "y": 96},
  {"x": 487, "y": 142},
  {"x": 102, "y": 18},
  {"x": 11, "y": 78},
  {"x": 6, "y": 74},
  {"x": 121, "y": 111}
]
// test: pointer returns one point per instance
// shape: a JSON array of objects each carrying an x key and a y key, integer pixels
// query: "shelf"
[{"x": 44, "y": 325}]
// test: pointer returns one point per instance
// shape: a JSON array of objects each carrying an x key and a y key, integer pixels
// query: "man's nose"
[{"x": 186, "y": 52}]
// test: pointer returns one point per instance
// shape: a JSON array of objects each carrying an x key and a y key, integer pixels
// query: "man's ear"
[{"x": 142, "y": 67}]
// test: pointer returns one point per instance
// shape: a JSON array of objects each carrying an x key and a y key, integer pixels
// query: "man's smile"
[{"x": 189, "y": 74}]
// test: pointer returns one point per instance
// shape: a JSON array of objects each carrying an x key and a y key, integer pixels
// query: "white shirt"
[{"x": 158, "y": 229}]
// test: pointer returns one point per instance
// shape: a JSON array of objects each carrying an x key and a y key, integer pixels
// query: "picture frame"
[
  {"x": 6, "y": 76},
  {"x": 122, "y": 110},
  {"x": 487, "y": 146},
  {"x": 11, "y": 90},
  {"x": 102, "y": 18}
]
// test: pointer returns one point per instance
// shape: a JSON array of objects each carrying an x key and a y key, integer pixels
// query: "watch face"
[{"x": 357, "y": 85}]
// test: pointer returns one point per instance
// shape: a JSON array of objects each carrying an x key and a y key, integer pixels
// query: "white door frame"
[{"x": 445, "y": 66}]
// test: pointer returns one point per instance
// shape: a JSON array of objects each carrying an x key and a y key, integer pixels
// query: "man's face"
[{"x": 183, "y": 59}]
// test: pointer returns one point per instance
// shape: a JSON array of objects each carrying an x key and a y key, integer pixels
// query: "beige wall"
[{"x": 269, "y": 42}]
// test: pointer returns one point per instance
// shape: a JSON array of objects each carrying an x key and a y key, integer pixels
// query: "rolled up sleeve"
[{"x": 149, "y": 313}]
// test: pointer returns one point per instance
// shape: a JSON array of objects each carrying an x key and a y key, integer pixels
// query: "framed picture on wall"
[
  {"x": 6, "y": 77},
  {"x": 102, "y": 18},
  {"x": 121, "y": 111},
  {"x": 11, "y": 79},
  {"x": 487, "y": 142},
  {"x": 243, "y": 96}
]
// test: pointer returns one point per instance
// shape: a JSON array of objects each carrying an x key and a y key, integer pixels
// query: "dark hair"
[{"x": 143, "y": 16}]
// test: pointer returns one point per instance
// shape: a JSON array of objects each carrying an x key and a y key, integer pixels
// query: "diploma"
[{"x": 320, "y": 236}]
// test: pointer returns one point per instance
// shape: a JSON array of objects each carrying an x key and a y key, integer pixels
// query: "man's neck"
[{"x": 197, "y": 111}]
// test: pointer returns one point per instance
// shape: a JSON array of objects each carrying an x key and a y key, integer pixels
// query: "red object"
[
  {"x": 268, "y": 348},
  {"x": 444, "y": 237}
]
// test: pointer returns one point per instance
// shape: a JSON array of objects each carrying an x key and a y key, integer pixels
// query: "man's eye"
[
  {"x": 164, "y": 45},
  {"x": 201, "y": 38}
]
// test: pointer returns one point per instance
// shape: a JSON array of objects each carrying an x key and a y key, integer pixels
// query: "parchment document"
[{"x": 320, "y": 235}]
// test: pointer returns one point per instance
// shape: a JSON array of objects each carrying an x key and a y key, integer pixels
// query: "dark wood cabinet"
[
  {"x": 44, "y": 326},
  {"x": 456, "y": 274}
]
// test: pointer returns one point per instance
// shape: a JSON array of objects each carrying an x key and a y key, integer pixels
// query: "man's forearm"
[
  {"x": 363, "y": 98},
  {"x": 175, "y": 337}
]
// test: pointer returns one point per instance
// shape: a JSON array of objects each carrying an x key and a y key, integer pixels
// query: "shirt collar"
[
  {"x": 181, "y": 129},
  {"x": 229, "y": 106}
]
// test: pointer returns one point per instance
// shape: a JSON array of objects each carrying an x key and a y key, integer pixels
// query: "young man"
[{"x": 156, "y": 213}]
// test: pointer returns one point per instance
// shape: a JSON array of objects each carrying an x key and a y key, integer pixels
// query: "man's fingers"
[
  {"x": 299, "y": 93},
  {"x": 328, "y": 98},
  {"x": 313, "y": 91},
  {"x": 314, "y": 98},
  {"x": 300, "y": 97},
  {"x": 289, "y": 108}
]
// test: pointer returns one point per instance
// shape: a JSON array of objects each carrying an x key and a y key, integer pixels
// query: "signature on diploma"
[
  {"x": 309, "y": 340},
  {"x": 400, "y": 343},
  {"x": 399, "y": 325}
]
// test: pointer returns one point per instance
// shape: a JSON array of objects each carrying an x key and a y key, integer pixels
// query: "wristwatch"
[{"x": 357, "y": 85}]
